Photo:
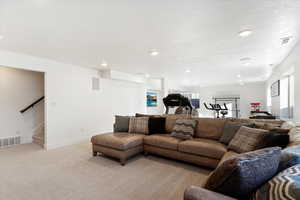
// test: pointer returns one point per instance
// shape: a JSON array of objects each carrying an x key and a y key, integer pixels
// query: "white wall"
[
  {"x": 74, "y": 111},
  {"x": 250, "y": 92},
  {"x": 18, "y": 89},
  {"x": 297, "y": 89},
  {"x": 290, "y": 64}
]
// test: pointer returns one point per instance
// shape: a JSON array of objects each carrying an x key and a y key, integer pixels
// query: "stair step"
[{"x": 38, "y": 139}]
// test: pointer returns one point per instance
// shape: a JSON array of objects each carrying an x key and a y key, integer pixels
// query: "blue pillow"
[
  {"x": 289, "y": 157},
  {"x": 286, "y": 185}
]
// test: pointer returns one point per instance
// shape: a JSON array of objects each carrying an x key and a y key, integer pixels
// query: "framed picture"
[
  {"x": 195, "y": 103},
  {"x": 151, "y": 99},
  {"x": 275, "y": 89}
]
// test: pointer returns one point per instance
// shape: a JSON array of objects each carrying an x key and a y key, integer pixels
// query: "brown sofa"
[
  {"x": 204, "y": 149},
  {"x": 199, "y": 193}
]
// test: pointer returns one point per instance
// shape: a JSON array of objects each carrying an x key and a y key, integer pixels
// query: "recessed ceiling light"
[
  {"x": 187, "y": 71},
  {"x": 245, "y": 33},
  {"x": 1, "y": 37},
  {"x": 245, "y": 59},
  {"x": 239, "y": 76},
  {"x": 104, "y": 64},
  {"x": 153, "y": 52}
]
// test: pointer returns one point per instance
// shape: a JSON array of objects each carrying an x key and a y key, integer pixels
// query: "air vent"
[
  {"x": 9, "y": 141},
  {"x": 285, "y": 40},
  {"x": 95, "y": 83}
]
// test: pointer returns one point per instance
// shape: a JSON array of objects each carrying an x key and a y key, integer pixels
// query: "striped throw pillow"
[
  {"x": 184, "y": 129},
  {"x": 284, "y": 186},
  {"x": 138, "y": 125}
]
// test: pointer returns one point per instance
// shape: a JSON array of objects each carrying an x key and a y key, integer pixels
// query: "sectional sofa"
[{"x": 204, "y": 149}]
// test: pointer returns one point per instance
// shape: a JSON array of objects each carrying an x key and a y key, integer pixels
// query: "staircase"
[
  {"x": 39, "y": 131},
  {"x": 39, "y": 135},
  {"x": 38, "y": 139}
]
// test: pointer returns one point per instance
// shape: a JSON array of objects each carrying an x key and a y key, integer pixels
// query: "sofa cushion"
[
  {"x": 119, "y": 141},
  {"x": 209, "y": 128},
  {"x": 294, "y": 133},
  {"x": 229, "y": 131},
  {"x": 184, "y": 129},
  {"x": 294, "y": 136},
  {"x": 145, "y": 115},
  {"x": 198, "y": 193},
  {"x": 265, "y": 126},
  {"x": 157, "y": 125},
  {"x": 138, "y": 125},
  {"x": 286, "y": 185},
  {"x": 287, "y": 125},
  {"x": 248, "y": 139},
  {"x": 228, "y": 155},
  {"x": 203, "y": 147},
  {"x": 276, "y": 122},
  {"x": 289, "y": 157},
  {"x": 162, "y": 141},
  {"x": 241, "y": 175},
  {"x": 121, "y": 123},
  {"x": 187, "y": 157}
]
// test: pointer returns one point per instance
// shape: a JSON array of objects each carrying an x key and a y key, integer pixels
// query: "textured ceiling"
[{"x": 196, "y": 35}]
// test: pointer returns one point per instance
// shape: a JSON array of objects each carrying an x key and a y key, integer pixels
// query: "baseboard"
[
  {"x": 65, "y": 143},
  {"x": 68, "y": 141},
  {"x": 26, "y": 140}
]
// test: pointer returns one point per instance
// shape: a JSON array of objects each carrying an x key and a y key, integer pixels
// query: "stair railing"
[{"x": 32, "y": 105}]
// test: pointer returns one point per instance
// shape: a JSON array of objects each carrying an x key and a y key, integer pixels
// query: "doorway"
[{"x": 22, "y": 105}]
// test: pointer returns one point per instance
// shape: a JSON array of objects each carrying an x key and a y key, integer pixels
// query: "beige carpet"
[{"x": 28, "y": 172}]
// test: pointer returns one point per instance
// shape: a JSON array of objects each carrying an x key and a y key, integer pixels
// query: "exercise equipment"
[
  {"x": 183, "y": 103},
  {"x": 173, "y": 100},
  {"x": 255, "y": 107},
  {"x": 261, "y": 115},
  {"x": 256, "y": 113},
  {"x": 218, "y": 109}
]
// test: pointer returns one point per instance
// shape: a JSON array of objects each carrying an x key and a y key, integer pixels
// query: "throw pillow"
[
  {"x": 121, "y": 123},
  {"x": 241, "y": 175},
  {"x": 248, "y": 139},
  {"x": 184, "y": 129},
  {"x": 275, "y": 139},
  {"x": 157, "y": 125},
  {"x": 289, "y": 157},
  {"x": 229, "y": 131},
  {"x": 138, "y": 125},
  {"x": 171, "y": 121},
  {"x": 286, "y": 185}
]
